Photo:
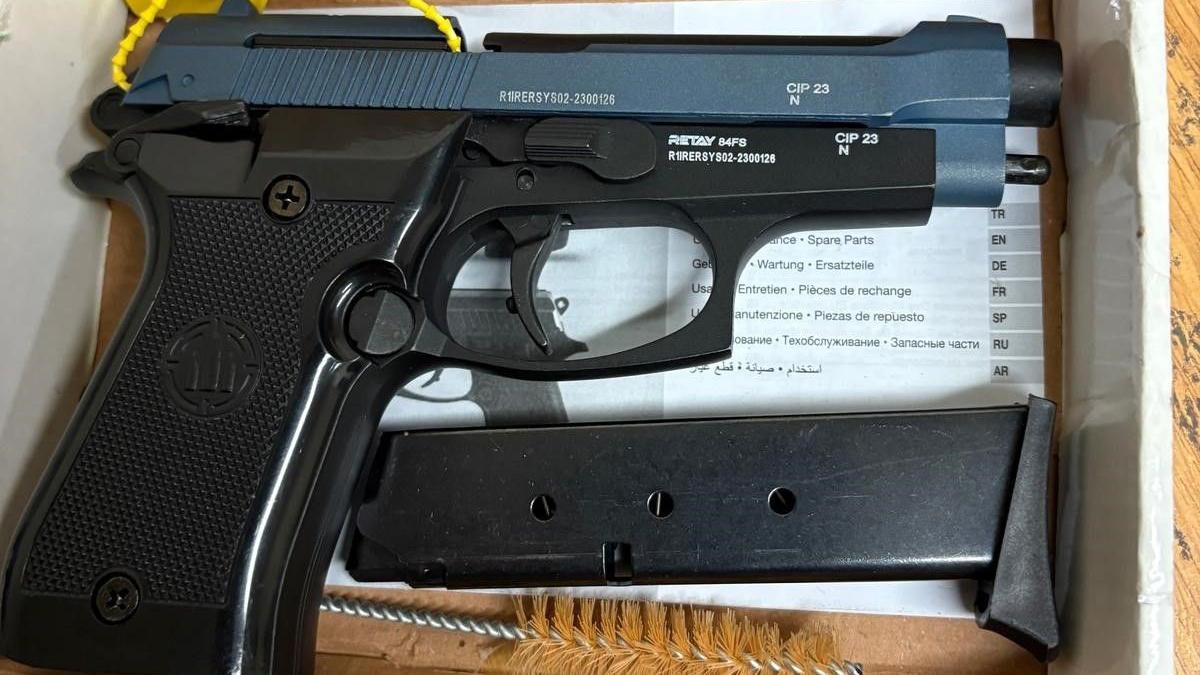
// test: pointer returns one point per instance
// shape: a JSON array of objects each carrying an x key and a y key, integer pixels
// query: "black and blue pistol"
[{"x": 311, "y": 185}]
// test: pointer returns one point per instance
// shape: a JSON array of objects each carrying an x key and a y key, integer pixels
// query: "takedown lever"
[{"x": 533, "y": 239}]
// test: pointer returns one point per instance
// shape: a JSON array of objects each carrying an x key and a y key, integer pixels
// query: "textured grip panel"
[{"x": 163, "y": 483}]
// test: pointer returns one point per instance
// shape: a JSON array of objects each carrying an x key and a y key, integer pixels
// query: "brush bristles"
[{"x": 608, "y": 637}]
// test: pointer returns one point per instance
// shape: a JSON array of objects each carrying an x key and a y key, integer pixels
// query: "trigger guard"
[{"x": 706, "y": 338}]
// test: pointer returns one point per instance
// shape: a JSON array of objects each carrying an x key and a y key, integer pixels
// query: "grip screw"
[
  {"x": 286, "y": 197},
  {"x": 116, "y": 599}
]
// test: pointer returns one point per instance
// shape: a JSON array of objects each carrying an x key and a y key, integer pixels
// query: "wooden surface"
[{"x": 1183, "y": 52}]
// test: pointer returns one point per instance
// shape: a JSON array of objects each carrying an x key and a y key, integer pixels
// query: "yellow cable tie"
[
  {"x": 147, "y": 16},
  {"x": 443, "y": 24},
  {"x": 126, "y": 45}
]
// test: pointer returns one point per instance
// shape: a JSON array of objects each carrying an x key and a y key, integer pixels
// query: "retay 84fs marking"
[{"x": 311, "y": 185}]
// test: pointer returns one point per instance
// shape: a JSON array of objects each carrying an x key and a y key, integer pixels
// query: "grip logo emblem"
[{"x": 211, "y": 367}]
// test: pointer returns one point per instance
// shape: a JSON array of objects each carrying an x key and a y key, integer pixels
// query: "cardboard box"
[{"x": 1114, "y": 528}]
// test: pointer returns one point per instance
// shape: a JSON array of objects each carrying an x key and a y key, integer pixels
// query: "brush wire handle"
[{"x": 396, "y": 613}]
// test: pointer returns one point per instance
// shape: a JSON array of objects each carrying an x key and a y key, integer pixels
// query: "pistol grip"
[
  {"x": 148, "y": 515},
  {"x": 187, "y": 520}
]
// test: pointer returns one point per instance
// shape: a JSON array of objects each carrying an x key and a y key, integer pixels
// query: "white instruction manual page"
[{"x": 873, "y": 319}]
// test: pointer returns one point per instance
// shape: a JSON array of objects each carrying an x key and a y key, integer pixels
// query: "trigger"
[{"x": 534, "y": 237}]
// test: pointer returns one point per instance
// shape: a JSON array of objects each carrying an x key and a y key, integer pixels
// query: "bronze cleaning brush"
[{"x": 584, "y": 636}]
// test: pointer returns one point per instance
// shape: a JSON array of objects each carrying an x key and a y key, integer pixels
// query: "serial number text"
[
  {"x": 535, "y": 97},
  {"x": 717, "y": 157}
]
